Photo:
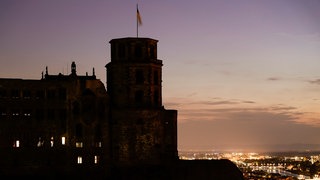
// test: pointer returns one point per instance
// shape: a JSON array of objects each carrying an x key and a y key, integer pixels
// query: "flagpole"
[{"x": 137, "y": 21}]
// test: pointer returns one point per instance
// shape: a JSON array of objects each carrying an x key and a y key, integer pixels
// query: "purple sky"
[{"x": 243, "y": 74}]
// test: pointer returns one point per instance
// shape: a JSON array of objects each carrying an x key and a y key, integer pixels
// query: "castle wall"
[{"x": 58, "y": 123}]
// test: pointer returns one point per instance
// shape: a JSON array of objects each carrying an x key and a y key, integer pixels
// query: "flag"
[{"x": 139, "y": 21}]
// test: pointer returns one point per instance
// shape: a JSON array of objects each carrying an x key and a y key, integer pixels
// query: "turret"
[{"x": 134, "y": 73}]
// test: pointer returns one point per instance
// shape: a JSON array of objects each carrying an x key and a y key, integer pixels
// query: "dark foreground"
[{"x": 181, "y": 169}]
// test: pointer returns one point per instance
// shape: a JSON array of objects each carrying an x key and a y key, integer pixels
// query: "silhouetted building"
[{"x": 67, "y": 126}]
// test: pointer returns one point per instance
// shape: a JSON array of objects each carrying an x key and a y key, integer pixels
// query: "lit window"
[
  {"x": 40, "y": 142},
  {"x": 63, "y": 140},
  {"x": 51, "y": 142},
  {"x": 96, "y": 159},
  {"x": 16, "y": 143},
  {"x": 79, "y": 160},
  {"x": 27, "y": 114},
  {"x": 79, "y": 144},
  {"x": 98, "y": 144}
]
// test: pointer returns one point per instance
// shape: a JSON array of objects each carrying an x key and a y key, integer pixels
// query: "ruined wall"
[{"x": 143, "y": 136}]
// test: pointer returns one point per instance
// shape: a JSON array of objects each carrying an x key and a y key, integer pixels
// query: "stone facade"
[
  {"x": 144, "y": 130},
  {"x": 57, "y": 123}
]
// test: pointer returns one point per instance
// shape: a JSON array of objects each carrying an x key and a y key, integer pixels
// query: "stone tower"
[{"x": 142, "y": 131}]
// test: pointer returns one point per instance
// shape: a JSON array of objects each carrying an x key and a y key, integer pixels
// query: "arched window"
[
  {"x": 156, "y": 97},
  {"x": 152, "y": 53},
  {"x": 121, "y": 50},
  {"x": 155, "y": 77},
  {"x": 138, "y": 51}
]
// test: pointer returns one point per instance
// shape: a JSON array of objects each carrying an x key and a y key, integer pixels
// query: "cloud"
[
  {"x": 235, "y": 124},
  {"x": 242, "y": 113},
  {"x": 317, "y": 81},
  {"x": 311, "y": 37},
  {"x": 273, "y": 78},
  {"x": 249, "y": 102},
  {"x": 218, "y": 101},
  {"x": 218, "y": 109},
  {"x": 239, "y": 127},
  {"x": 215, "y": 102}
]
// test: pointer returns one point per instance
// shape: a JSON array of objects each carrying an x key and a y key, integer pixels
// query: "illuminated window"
[
  {"x": 63, "y": 140},
  {"x": 15, "y": 113},
  {"x": 40, "y": 142},
  {"x": 51, "y": 142},
  {"x": 96, "y": 159},
  {"x": 79, "y": 144},
  {"x": 98, "y": 144},
  {"x": 3, "y": 112},
  {"x": 79, "y": 160},
  {"x": 28, "y": 114},
  {"x": 16, "y": 144}
]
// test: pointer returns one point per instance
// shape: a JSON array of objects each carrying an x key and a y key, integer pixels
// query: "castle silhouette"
[{"x": 71, "y": 126}]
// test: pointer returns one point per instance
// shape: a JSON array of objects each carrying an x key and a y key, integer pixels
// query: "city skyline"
[{"x": 243, "y": 75}]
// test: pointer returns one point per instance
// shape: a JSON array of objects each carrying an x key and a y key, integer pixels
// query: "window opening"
[
  {"x": 79, "y": 144},
  {"x": 96, "y": 159},
  {"x": 40, "y": 142},
  {"x": 156, "y": 97},
  {"x": 63, "y": 140},
  {"x": 16, "y": 144},
  {"x": 138, "y": 51},
  {"x": 98, "y": 144},
  {"x": 152, "y": 54},
  {"x": 51, "y": 141},
  {"x": 121, "y": 51},
  {"x": 16, "y": 113},
  {"x": 15, "y": 94},
  {"x": 79, "y": 160},
  {"x": 155, "y": 78},
  {"x": 27, "y": 113}
]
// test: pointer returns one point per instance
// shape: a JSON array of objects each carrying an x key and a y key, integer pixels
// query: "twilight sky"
[{"x": 244, "y": 75}]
